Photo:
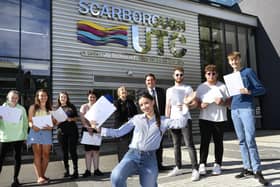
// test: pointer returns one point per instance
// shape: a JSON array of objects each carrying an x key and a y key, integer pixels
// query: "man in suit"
[{"x": 160, "y": 98}]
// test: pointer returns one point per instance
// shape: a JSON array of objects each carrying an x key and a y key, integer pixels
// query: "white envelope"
[
  {"x": 100, "y": 111},
  {"x": 87, "y": 139},
  {"x": 10, "y": 114}
]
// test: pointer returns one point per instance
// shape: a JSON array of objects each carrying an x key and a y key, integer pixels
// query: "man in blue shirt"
[{"x": 242, "y": 113}]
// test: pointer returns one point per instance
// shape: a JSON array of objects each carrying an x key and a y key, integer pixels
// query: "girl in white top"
[{"x": 212, "y": 98}]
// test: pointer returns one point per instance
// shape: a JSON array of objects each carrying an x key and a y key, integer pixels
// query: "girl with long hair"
[
  {"x": 148, "y": 129},
  {"x": 67, "y": 133},
  {"x": 40, "y": 139}
]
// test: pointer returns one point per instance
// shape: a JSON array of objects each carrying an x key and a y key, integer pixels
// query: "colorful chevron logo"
[{"x": 94, "y": 34}]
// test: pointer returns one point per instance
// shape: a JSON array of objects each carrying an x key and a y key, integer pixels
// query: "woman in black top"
[
  {"x": 67, "y": 133},
  {"x": 126, "y": 109}
]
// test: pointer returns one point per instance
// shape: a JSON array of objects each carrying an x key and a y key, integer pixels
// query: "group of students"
[
  {"x": 14, "y": 135},
  {"x": 140, "y": 152}
]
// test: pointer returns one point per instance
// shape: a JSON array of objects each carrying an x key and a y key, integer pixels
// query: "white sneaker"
[
  {"x": 202, "y": 169},
  {"x": 195, "y": 175},
  {"x": 216, "y": 169},
  {"x": 174, "y": 172}
]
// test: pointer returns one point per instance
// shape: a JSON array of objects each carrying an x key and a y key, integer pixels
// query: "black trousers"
[
  {"x": 4, "y": 148},
  {"x": 188, "y": 138},
  {"x": 209, "y": 129},
  {"x": 68, "y": 144}
]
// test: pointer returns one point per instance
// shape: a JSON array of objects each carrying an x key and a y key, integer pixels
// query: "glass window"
[
  {"x": 35, "y": 29},
  {"x": 242, "y": 44},
  {"x": 36, "y": 67},
  {"x": 252, "y": 50},
  {"x": 204, "y": 33},
  {"x": 9, "y": 28},
  {"x": 230, "y": 38},
  {"x": 8, "y": 76},
  {"x": 211, "y": 43}
]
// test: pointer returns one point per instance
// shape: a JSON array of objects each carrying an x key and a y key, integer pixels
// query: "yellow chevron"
[{"x": 96, "y": 26}]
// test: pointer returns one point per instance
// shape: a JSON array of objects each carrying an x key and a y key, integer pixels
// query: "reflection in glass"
[
  {"x": 35, "y": 29},
  {"x": 8, "y": 76},
  {"x": 211, "y": 43},
  {"x": 36, "y": 67},
  {"x": 242, "y": 44},
  {"x": 204, "y": 33},
  {"x": 9, "y": 28},
  {"x": 252, "y": 50},
  {"x": 230, "y": 38}
]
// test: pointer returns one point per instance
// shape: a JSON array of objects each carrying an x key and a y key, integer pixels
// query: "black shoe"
[
  {"x": 75, "y": 175},
  {"x": 162, "y": 168},
  {"x": 15, "y": 184},
  {"x": 66, "y": 174},
  {"x": 261, "y": 179},
  {"x": 244, "y": 173},
  {"x": 98, "y": 173},
  {"x": 86, "y": 174}
]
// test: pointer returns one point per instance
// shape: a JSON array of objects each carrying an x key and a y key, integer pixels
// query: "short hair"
[
  {"x": 12, "y": 92},
  {"x": 179, "y": 68},
  {"x": 234, "y": 55},
  {"x": 92, "y": 92},
  {"x": 150, "y": 75},
  {"x": 210, "y": 67}
]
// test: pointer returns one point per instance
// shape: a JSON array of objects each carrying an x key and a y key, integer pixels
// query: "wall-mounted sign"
[
  {"x": 133, "y": 57},
  {"x": 156, "y": 26},
  {"x": 94, "y": 34}
]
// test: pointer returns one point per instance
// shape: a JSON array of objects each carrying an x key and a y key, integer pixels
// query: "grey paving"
[{"x": 268, "y": 144}]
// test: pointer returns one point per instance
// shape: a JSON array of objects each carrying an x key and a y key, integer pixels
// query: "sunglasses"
[
  {"x": 209, "y": 73},
  {"x": 181, "y": 75}
]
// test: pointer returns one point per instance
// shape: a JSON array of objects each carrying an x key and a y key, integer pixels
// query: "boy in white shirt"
[
  {"x": 175, "y": 108},
  {"x": 212, "y": 98}
]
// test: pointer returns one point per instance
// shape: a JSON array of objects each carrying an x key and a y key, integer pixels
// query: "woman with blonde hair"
[
  {"x": 126, "y": 109},
  {"x": 13, "y": 134}
]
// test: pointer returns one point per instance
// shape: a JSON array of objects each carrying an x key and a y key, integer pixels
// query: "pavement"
[{"x": 268, "y": 142}]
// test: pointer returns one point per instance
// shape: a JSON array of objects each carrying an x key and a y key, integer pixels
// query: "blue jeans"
[
  {"x": 244, "y": 124},
  {"x": 135, "y": 161}
]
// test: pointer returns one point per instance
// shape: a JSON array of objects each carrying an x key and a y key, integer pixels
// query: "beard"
[{"x": 179, "y": 81}]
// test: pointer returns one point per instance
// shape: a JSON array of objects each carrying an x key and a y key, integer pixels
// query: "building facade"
[{"x": 78, "y": 45}]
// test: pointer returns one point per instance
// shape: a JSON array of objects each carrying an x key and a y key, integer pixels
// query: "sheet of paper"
[
  {"x": 10, "y": 114},
  {"x": 211, "y": 95},
  {"x": 234, "y": 83},
  {"x": 95, "y": 139},
  {"x": 178, "y": 96},
  {"x": 100, "y": 111},
  {"x": 59, "y": 115},
  {"x": 42, "y": 121}
]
